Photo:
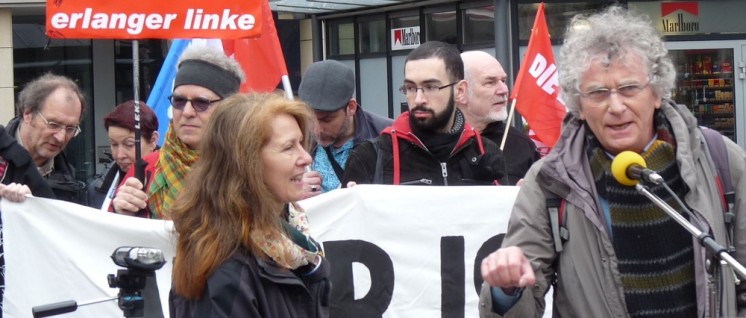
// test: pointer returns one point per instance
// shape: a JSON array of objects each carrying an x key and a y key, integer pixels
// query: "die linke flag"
[
  {"x": 153, "y": 19},
  {"x": 536, "y": 92},
  {"x": 260, "y": 58}
]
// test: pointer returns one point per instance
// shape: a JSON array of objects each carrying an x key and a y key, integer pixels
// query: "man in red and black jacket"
[{"x": 431, "y": 144}]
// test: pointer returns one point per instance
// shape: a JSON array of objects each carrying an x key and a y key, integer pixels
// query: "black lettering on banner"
[
  {"x": 452, "y": 273},
  {"x": 341, "y": 255},
  {"x": 489, "y": 246}
]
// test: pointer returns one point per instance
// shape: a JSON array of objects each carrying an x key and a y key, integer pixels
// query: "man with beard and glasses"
[
  {"x": 485, "y": 109},
  {"x": 431, "y": 144},
  {"x": 329, "y": 88}
]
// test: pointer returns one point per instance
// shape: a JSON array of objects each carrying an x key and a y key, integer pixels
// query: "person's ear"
[
  {"x": 28, "y": 116},
  {"x": 461, "y": 91},
  {"x": 153, "y": 140},
  {"x": 351, "y": 107}
]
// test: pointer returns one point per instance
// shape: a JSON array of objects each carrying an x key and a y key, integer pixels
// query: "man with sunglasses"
[
  {"x": 49, "y": 110},
  {"x": 329, "y": 88},
  {"x": 204, "y": 77},
  {"x": 431, "y": 144}
]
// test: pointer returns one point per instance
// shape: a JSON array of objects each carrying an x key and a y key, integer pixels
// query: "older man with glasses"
[
  {"x": 49, "y": 110},
  {"x": 431, "y": 144},
  {"x": 612, "y": 252}
]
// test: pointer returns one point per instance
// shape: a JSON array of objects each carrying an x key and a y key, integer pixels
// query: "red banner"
[
  {"x": 537, "y": 87},
  {"x": 151, "y": 19}
]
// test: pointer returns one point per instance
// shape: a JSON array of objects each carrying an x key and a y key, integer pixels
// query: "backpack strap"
[
  {"x": 395, "y": 153},
  {"x": 718, "y": 154},
  {"x": 378, "y": 173},
  {"x": 557, "y": 219}
]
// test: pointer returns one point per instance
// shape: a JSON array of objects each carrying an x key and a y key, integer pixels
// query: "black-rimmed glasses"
[
  {"x": 427, "y": 89},
  {"x": 57, "y": 127},
  {"x": 199, "y": 104}
]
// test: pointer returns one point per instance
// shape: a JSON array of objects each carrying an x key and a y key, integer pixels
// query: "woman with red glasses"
[{"x": 204, "y": 76}]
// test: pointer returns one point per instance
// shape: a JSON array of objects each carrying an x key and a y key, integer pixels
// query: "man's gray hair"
[
  {"x": 614, "y": 33},
  {"x": 33, "y": 95}
]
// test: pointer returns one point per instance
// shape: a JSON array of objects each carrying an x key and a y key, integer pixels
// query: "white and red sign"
[
  {"x": 405, "y": 38},
  {"x": 680, "y": 17},
  {"x": 150, "y": 19}
]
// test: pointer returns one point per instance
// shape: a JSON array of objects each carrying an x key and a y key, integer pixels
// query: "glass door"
[
  {"x": 709, "y": 84},
  {"x": 705, "y": 83}
]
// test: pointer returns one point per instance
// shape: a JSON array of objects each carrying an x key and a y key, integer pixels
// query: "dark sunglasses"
[{"x": 199, "y": 104}]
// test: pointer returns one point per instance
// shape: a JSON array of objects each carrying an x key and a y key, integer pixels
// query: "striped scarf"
[
  {"x": 655, "y": 254},
  {"x": 174, "y": 162}
]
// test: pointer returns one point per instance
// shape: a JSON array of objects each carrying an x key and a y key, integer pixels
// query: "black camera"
[{"x": 136, "y": 283}]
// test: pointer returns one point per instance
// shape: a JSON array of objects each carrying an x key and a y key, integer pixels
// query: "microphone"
[{"x": 628, "y": 167}]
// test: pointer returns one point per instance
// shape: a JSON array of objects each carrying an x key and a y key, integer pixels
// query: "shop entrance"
[{"x": 710, "y": 82}]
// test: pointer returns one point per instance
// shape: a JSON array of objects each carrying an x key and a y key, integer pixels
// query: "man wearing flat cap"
[{"x": 329, "y": 88}]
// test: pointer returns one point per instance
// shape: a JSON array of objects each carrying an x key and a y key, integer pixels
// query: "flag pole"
[
  {"x": 507, "y": 123},
  {"x": 139, "y": 163},
  {"x": 286, "y": 86}
]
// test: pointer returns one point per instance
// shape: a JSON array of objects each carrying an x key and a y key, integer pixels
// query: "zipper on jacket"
[
  {"x": 419, "y": 181},
  {"x": 444, "y": 172}
]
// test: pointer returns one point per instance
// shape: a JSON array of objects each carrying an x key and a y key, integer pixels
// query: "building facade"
[{"x": 706, "y": 38}]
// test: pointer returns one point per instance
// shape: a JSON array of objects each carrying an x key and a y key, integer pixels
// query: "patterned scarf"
[
  {"x": 174, "y": 162},
  {"x": 285, "y": 250}
]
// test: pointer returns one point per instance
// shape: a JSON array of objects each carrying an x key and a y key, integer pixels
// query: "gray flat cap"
[{"x": 327, "y": 85}]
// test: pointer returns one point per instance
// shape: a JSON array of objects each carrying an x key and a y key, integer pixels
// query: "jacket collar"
[{"x": 403, "y": 130}]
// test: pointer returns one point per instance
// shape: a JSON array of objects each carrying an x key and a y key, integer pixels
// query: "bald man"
[{"x": 485, "y": 109}]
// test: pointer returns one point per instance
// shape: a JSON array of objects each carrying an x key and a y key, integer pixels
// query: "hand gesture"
[{"x": 508, "y": 269}]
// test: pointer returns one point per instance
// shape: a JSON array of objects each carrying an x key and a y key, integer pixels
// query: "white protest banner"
[
  {"x": 57, "y": 251},
  {"x": 408, "y": 251},
  {"x": 396, "y": 251}
]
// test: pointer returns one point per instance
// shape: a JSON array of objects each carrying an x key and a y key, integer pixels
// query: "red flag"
[
  {"x": 261, "y": 57},
  {"x": 538, "y": 85}
]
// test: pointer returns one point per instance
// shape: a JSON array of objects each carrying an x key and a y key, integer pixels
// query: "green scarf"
[{"x": 174, "y": 162}]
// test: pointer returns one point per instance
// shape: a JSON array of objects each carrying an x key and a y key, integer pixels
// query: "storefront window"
[
  {"x": 558, "y": 16},
  {"x": 405, "y": 22},
  {"x": 34, "y": 55},
  {"x": 341, "y": 38},
  {"x": 151, "y": 53},
  {"x": 441, "y": 26},
  {"x": 479, "y": 25},
  {"x": 372, "y": 36}
]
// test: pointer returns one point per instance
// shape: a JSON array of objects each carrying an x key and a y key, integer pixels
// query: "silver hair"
[
  {"x": 614, "y": 33},
  {"x": 213, "y": 56}
]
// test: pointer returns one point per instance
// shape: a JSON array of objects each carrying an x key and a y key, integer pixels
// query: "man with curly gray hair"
[{"x": 614, "y": 253}]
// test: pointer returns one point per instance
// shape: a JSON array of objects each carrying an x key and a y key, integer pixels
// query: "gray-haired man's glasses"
[
  {"x": 69, "y": 130},
  {"x": 599, "y": 95}
]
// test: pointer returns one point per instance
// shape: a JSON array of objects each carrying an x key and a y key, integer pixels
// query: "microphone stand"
[{"x": 704, "y": 239}]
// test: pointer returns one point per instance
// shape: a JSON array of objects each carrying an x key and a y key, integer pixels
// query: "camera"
[{"x": 136, "y": 283}]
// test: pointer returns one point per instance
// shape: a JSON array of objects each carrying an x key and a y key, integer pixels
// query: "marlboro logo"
[
  {"x": 685, "y": 20},
  {"x": 405, "y": 38}
]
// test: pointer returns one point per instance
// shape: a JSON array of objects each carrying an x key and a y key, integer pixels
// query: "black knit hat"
[{"x": 207, "y": 75}]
